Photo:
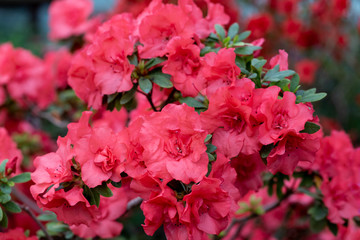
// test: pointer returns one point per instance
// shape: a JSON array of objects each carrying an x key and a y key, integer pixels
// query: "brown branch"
[
  {"x": 133, "y": 203},
  {"x": 149, "y": 98},
  {"x": 170, "y": 99},
  {"x": 31, "y": 214},
  {"x": 26, "y": 200}
]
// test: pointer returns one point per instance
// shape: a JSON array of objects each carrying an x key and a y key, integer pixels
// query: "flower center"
[
  {"x": 280, "y": 121},
  {"x": 105, "y": 159},
  {"x": 234, "y": 121},
  {"x": 178, "y": 145}
]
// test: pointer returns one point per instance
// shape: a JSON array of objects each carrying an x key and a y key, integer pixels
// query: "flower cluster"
[
  {"x": 29, "y": 80},
  {"x": 339, "y": 164},
  {"x": 185, "y": 119},
  {"x": 206, "y": 144}
]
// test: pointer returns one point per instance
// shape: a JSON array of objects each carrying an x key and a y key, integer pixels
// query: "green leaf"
[
  {"x": 128, "y": 96},
  {"x": 192, "y": 102},
  {"x": 145, "y": 84},
  {"x": 272, "y": 71},
  {"x": 4, "y": 221},
  {"x": 161, "y": 79},
  {"x": 3, "y": 165},
  {"x": 310, "y": 128},
  {"x": 56, "y": 227},
  {"x": 208, "y": 137},
  {"x": 233, "y": 30},
  {"x": 277, "y": 76},
  {"x": 283, "y": 84},
  {"x": 67, "y": 186},
  {"x": 12, "y": 207},
  {"x": 313, "y": 97},
  {"x": 252, "y": 76},
  {"x": 295, "y": 80},
  {"x": 332, "y": 227},
  {"x": 318, "y": 212},
  {"x": 47, "y": 216},
  {"x": 133, "y": 59},
  {"x": 4, "y": 198},
  {"x": 211, "y": 157},
  {"x": 210, "y": 148},
  {"x": 307, "y": 181},
  {"x": 96, "y": 197},
  {"x": 258, "y": 63},
  {"x": 103, "y": 190},
  {"x": 307, "y": 192},
  {"x": 69, "y": 235},
  {"x": 21, "y": 178},
  {"x": 88, "y": 194},
  {"x": 220, "y": 31},
  {"x": 1, "y": 214},
  {"x": 317, "y": 226},
  {"x": 116, "y": 184},
  {"x": 153, "y": 62},
  {"x": 265, "y": 150},
  {"x": 238, "y": 44},
  {"x": 5, "y": 188},
  {"x": 246, "y": 50},
  {"x": 243, "y": 36}
]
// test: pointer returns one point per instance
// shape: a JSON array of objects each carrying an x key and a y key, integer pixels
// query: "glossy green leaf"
[
  {"x": 310, "y": 128},
  {"x": 3, "y": 165},
  {"x": 191, "y": 102},
  {"x": 220, "y": 31},
  {"x": 210, "y": 148},
  {"x": 4, "y": 221},
  {"x": 295, "y": 80},
  {"x": 21, "y": 178},
  {"x": 116, "y": 184},
  {"x": 265, "y": 150},
  {"x": 47, "y": 216},
  {"x": 103, "y": 190},
  {"x": 5, "y": 188},
  {"x": 208, "y": 137},
  {"x": 318, "y": 212},
  {"x": 258, "y": 63},
  {"x": 145, "y": 85},
  {"x": 246, "y": 50},
  {"x": 243, "y": 36},
  {"x": 313, "y": 97},
  {"x": 161, "y": 79},
  {"x": 153, "y": 62},
  {"x": 278, "y": 76},
  {"x": 12, "y": 207},
  {"x": 233, "y": 30},
  {"x": 128, "y": 96}
]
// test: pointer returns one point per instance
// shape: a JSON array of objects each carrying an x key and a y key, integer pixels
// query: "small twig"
[
  {"x": 47, "y": 116},
  {"x": 149, "y": 98},
  {"x": 169, "y": 99},
  {"x": 26, "y": 201},
  {"x": 31, "y": 214},
  {"x": 133, "y": 203}
]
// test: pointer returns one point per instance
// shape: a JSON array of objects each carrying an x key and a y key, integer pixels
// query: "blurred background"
[{"x": 321, "y": 37}]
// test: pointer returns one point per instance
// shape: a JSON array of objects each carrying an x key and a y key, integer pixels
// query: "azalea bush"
[{"x": 172, "y": 123}]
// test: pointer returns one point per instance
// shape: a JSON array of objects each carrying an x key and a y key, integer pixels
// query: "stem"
[
  {"x": 26, "y": 201},
  {"x": 169, "y": 99},
  {"x": 149, "y": 98},
  {"x": 31, "y": 214},
  {"x": 133, "y": 203},
  {"x": 244, "y": 220}
]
